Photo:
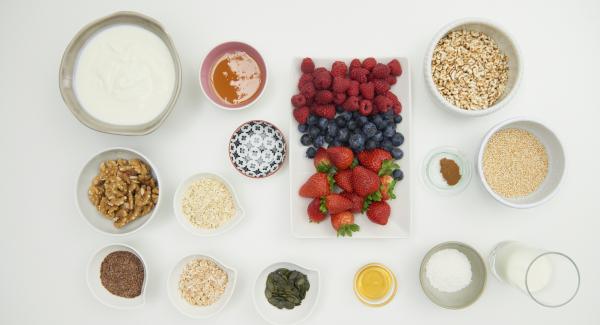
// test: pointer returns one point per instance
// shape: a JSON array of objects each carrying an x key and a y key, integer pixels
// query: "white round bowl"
[
  {"x": 184, "y": 222},
  {"x": 98, "y": 290},
  {"x": 556, "y": 162},
  {"x": 88, "y": 210},
  {"x": 276, "y": 316},
  {"x": 199, "y": 312},
  {"x": 506, "y": 44}
]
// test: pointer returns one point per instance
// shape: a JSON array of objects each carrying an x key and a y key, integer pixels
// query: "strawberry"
[
  {"x": 314, "y": 212},
  {"x": 344, "y": 224},
  {"x": 341, "y": 157},
  {"x": 379, "y": 212},
  {"x": 317, "y": 185},
  {"x": 387, "y": 187},
  {"x": 388, "y": 167},
  {"x": 357, "y": 201},
  {"x": 373, "y": 159},
  {"x": 335, "y": 203},
  {"x": 343, "y": 179},
  {"x": 364, "y": 181},
  {"x": 321, "y": 161},
  {"x": 301, "y": 114}
]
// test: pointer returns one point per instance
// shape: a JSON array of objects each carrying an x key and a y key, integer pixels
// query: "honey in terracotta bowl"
[{"x": 236, "y": 77}]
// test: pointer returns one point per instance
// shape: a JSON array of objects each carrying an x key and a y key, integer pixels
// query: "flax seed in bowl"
[{"x": 521, "y": 163}]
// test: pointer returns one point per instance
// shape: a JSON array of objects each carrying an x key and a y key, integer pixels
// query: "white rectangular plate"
[{"x": 301, "y": 168}]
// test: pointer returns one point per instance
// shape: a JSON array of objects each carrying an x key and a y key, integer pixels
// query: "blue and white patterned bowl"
[{"x": 257, "y": 149}]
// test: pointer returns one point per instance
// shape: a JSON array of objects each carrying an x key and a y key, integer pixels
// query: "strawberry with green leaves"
[
  {"x": 343, "y": 223},
  {"x": 318, "y": 185},
  {"x": 314, "y": 211},
  {"x": 378, "y": 160},
  {"x": 387, "y": 187},
  {"x": 335, "y": 203},
  {"x": 379, "y": 212},
  {"x": 341, "y": 157},
  {"x": 343, "y": 179},
  {"x": 322, "y": 162}
]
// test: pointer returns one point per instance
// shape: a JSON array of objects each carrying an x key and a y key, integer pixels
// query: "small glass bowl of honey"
[{"x": 375, "y": 285}]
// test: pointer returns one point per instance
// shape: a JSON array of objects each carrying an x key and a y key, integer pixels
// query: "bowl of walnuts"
[{"x": 118, "y": 191}]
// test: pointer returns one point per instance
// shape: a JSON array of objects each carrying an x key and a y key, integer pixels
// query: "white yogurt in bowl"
[{"x": 124, "y": 75}]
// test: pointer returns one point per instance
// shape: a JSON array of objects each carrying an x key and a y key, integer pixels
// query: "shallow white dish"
[
  {"x": 199, "y": 312},
  {"x": 98, "y": 290},
  {"x": 183, "y": 221},
  {"x": 286, "y": 316},
  {"x": 556, "y": 162},
  {"x": 301, "y": 168},
  {"x": 507, "y": 46},
  {"x": 88, "y": 210}
]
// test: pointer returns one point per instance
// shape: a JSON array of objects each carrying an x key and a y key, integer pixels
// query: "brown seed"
[{"x": 122, "y": 274}]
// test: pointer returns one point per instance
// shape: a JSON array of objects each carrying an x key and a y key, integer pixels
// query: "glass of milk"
[{"x": 550, "y": 278}]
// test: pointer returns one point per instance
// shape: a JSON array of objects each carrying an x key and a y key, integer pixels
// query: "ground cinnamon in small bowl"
[
  {"x": 450, "y": 171},
  {"x": 122, "y": 274}
]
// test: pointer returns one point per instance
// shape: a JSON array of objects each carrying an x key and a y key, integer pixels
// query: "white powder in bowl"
[{"x": 448, "y": 270}]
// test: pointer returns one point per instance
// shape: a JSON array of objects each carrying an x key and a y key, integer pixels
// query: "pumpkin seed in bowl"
[{"x": 286, "y": 288}]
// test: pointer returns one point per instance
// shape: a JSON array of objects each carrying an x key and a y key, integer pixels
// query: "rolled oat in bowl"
[
  {"x": 202, "y": 282},
  {"x": 207, "y": 203}
]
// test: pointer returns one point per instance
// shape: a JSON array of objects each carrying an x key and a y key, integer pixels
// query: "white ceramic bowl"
[
  {"x": 88, "y": 210},
  {"x": 507, "y": 46},
  {"x": 98, "y": 290},
  {"x": 556, "y": 162},
  {"x": 199, "y": 312},
  {"x": 284, "y": 316},
  {"x": 183, "y": 221}
]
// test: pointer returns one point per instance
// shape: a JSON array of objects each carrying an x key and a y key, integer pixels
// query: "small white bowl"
[
  {"x": 88, "y": 210},
  {"x": 507, "y": 46},
  {"x": 199, "y": 312},
  {"x": 184, "y": 222},
  {"x": 286, "y": 316},
  {"x": 98, "y": 290},
  {"x": 556, "y": 162}
]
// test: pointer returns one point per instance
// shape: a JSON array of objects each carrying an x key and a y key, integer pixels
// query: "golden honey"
[
  {"x": 375, "y": 284},
  {"x": 236, "y": 77}
]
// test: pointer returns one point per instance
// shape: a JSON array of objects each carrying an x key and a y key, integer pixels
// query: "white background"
[{"x": 45, "y": 244}]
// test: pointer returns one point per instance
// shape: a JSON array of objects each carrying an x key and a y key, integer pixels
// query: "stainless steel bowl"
[{"x": 69, "y": 59}]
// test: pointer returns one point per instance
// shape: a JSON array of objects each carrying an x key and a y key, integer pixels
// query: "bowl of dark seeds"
[
  {"x": 286, "y": 293},
  {"x": 116, "y": 276}
]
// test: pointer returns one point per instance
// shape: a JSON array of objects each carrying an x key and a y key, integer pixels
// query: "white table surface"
[{"x": 45, "y": 244}]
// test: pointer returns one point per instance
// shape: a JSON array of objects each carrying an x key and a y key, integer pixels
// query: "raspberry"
[
  {"x": 323, "y": 97},
  {"x": 391, "y": 80},
  {"x": 340, "y": 84},
  {"x": 298, "y": 100},
  {"x": 322, "y": 79},
  {"x": 367, "y": 90},
  {"x": 365, "y": 108},
  {"x": 359, "y": 74},
  {"x": 354, "y": 64},
  {"x": 339, "y": 98},
  {"x": 381, "y": 87},
  {"x": 397, "y": 107},
  {"x": 369, "y": 63},
  {"x": 380, "y": 71},
  {"x": 301, "y": 114},
  {"x": 395, "y": 68},
  {"x": 391, "y": 96},
  {"x": 306, "y": 78},
  {"x": 308, "y": 91},
  {"x": 307, "y": 65},
  {"x": 319, "y": 70},
  {"x": 351, "y": 104},
  {"x": 353, "y": 89},
  {"x": 326, "y": 111},
  {"x": 382, "y": 103},
  {"x": 339, "y": 69}
]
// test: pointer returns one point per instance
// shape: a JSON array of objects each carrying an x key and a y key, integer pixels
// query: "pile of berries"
[
  {"x": 349, "y": 106},
  {"x": 346, "y": 184}
]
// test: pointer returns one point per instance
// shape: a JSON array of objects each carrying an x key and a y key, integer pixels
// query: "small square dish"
[{"x": 301, "y": 168}]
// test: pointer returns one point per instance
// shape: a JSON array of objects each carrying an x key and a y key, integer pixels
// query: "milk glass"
[{"x": 550, "y": 278}]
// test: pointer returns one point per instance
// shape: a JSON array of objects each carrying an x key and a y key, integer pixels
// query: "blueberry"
[
  {"x": 369, "y": 129},
  {"x": 398, "y": 174},
  {"x": 362, "y": 120},
  {"x": 359, "y": 149},
  {"x": 377, "y": 119},
  {"x": 397, "y": 139},
  {"x": 355, "y": 115},
  {"x": 328, "y": 139},
  {"x": 310, "y": 152},
  {"x": 397, "y": 153},
  {"x": 389, "y": 132},
  {"x": 319, "y": 141},
  {"x": 339, "y": 121},
  {"x": 343, "y": 135},
  {"x": 339, "y": 109},
  {"x": 352, "y": 124},
  {"x": 335, "y": 143},
  {"x": 332, "y": 129},
  {"x": 378, "y": 136},
  {"x": 312, "y": 120},
  {"x": 397, "y": 119},
  {"x": 389, "y": 113},
  {"x": 323, "y": 132},
  {"x": 346, "y": 116},
  {"x": 303, "y": 128},
  {"x": 306, "y": 140},
  {"x": 387, "y": 145},
  {"x": 356, "y": 140},
  {"x": 323, "y": 123},
  {"x": 370, "y": 145},
  {"x": 313, "y": 131}
]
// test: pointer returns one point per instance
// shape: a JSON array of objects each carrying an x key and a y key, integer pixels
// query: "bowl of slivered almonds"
[
  {"x": 473, "y": 67},
  {"x": 521, "y": 162},
  {"x": 118, "y": 191}
]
